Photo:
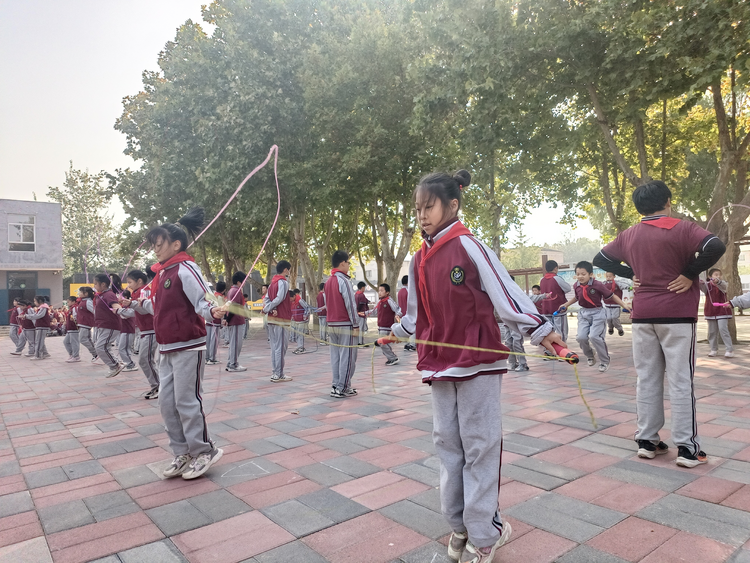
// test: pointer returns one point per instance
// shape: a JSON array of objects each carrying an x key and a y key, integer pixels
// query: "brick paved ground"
[{"x": 306, "y": 478}]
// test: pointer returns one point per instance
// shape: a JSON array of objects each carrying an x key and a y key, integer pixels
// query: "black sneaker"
[
  {"x": 686, "y": 459},
  {"x": 392, "y": 362},
  {"x": 336, "y": 394},
  {"x": 611, "y": 331},
  {"x": 647, "y": 449},
  {"x": 621, "y": 332}
]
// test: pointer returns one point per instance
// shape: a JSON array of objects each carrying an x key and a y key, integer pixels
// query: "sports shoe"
[
  {"x": 299, "y": 351},
  {"x": 130, "y": 367},
  {"x": 686, "y": 459},
  {"x": 611, "y": 331},
  {"x": 28, "y": 355},
  {"x": 46, "y": 356},
  {"x": 94, "y": 358},
  {"x": 97, "y": 361},
  {"x": 621, "y": 332},
  {"x": 336, "y": 394},
  {"x": 713, "y": 353},
  {"x": 280, "y": 379},
  {"x": 212, "y": 362},
  {"x": 457, "y": 544},
  {"x": 72, "y": 360},
  {"x": 15, "y": 353},
  {"x": 590, "y": 361},
  {"x": 34, "y": 358},
  {"x": 114, "y": 371},
  {"x": 548, "y": 357},
  {"x": 324, "y": 343},
  {"x": 475, "y": 554},
  {"x": 349, "y": 392},
  {"x": 521, "y": 367},
  {"x": 202, "y": 463},
  {"x": 178, "y": 466},
  {"x": 648, "y": 450},
  {"x": 729, "y": 355},
  {"x": 237, "y": 368},
  {"x": 152, "y": 394},
  {"x": 392, "y": 362},
  {"x": 603, "y": 368}
]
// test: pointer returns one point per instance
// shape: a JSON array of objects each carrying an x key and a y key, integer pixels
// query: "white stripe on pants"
[
  {"x": 279, "y": 345},
  {"x": 39, "y": 345},
  {"x": 105, "y": 337},
  {"x": 467, "y": 432},
  {"x": 30, "y": 335},
  {"x": 124, "y": 344},
  {"x": 181, "y": 403},
  {"x": 343, "y": 356},
  {"x": 72, "y": 343},
  {"x": 212, "y": 341},
  {"x": 613, "y": 318},
  {"x": 592, "y": 324},
  {"x": 18, "y": 338},
  {"x": 560, "y": 323},
  {"x": 85, "y": 335},
  {"x": 147, "y": 351},
  {"x": 386, "y": 348},
  {"x": 659, "y": 350},
  {"x": 234, "y": 332},
  {"x": 718, "y": 327}
]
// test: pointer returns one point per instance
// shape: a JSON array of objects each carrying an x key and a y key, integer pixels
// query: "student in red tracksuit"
[
  {"x": 343, "y": 325},
  {"x": 86, "y": 319},
  {"x": 322, "y": 314},
  {"x": 363, "y": 305},
  {"x": 457, "y": 283},
  {"x": 28, "y": 328},
  {"x": 279, "y": 310},
  {"x": 386, "y": 310},
  {"x": 127, "y": 333},
  {"x": 141, "y": 289},
  {"x": 403, "y": 297},
  {"x": 235, "y": 323},
  {"x": 556, "y": 286},
  {"x": 71, "y": 342},
  {"x": 42, "y": 320},
  {"x": 16, "y": 332}
]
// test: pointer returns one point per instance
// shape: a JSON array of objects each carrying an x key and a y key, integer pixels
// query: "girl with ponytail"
[{"x": 180, "y": 309}]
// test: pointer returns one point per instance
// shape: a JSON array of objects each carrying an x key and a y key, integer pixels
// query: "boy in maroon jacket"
[
  {"x": 322, "y": 314},
  {"x": 42, "y": 320},
  {"x": 107, "y": 323},
  {"x": 386, "y": 310},
  {"x": 661, "y": 255},
  {"x": 343, "y": 325},
  {"x": 235, "y": 323},
  {"x": 403, "y": 298},
  {"x": 363, "y": 305},
  {"x": 16, "y": 332},
  {"x": 71, "y": 342},
  {"x": 279, "y": 310},
  {"x": 557, "y": 287}
]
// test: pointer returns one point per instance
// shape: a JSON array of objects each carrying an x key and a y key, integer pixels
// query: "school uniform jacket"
[
  {"x": 278, "y": 299},
  {"x": 104, "y": 316},
  {"x": 143, "y": 319},
  {"x": 537, "y": 300},
  {"x": 41, "y": 318},
  {"x": 616, "y": 288},
  {"x": 70, "y": 320},
  {"x": 403, "y": 297},
  {"x": 465, "y": 284},
  {"x": 233, "y": 297},
  {"x": 86, "y": 317},
  {"x": 127, "y": 320},
  {"x": 715, "y": 294},
  {"x": 591, "y": 295},
  {"x": 14, "y": 317},
  {"x": 26, "y": 322},
  {"x": 179, "y": 307},
  {"x": 340, "y": 301},
  {"x": 558, "y": 287},
  {"x": 322, "y": 304},
  {"x": 387, "y": 310}
]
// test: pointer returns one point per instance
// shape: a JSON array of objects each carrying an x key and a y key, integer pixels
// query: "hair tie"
[{"x": 460, "y": 187}]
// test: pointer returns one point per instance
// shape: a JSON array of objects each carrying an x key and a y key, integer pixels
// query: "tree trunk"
[
  {"x": 395, "y": 246},
  {"x": 640, "y": 145},
  {"x": 205, "y": 266}
]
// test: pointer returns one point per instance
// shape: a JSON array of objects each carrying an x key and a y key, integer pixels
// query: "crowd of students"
[{"x": 459, "y": 306}]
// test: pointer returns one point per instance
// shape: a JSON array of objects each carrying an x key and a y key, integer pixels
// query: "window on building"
[{"x": 21, "y": 233}]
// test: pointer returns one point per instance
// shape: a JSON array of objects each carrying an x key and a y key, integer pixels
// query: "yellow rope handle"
[{"x": 238, "y": 309}]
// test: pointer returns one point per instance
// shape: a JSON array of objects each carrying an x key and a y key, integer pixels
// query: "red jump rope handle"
[{"x": 570, "y": 356}]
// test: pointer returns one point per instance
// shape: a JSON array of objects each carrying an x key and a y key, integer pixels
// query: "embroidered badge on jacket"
[
  {"x": 457, "y": 275},
  {"x": 167, "y": 283}
]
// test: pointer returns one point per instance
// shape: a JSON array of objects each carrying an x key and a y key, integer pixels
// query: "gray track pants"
[
  {"x": 234, "y": 332},
  {"x": 322, "y": 324},
  {"x": 124, "y": 345},
  {"x": 718, "y": 327},
  {"x": 39, "y": 345},
  {"x": 386, "y": 348},
  {"x": 362, "y": 330},
  {"x": 660, "y": 349},
  {"x": 212, "y": 341},
  {"x": 72, "y": 343},
  {"x": 18, "y": 338},
  {"x": 85, "y": 335},
  {"x": 146, "y": 358},
  {"x": 180, "y": 392},
  {"x": 343, "y": 355},
  {"x": 592, "y": 324},
  {"x": 468, "y": 436},
  {"x": 279, "y": 344},
  {"x": 514, "y": 341},
  {"x": 298, "y": 328},
  {"x": 105, "y": 337},
  {"x": 560, "y": 322},
  {"x": 30, "y": 335},
  {"x": 613, "y": 318}
]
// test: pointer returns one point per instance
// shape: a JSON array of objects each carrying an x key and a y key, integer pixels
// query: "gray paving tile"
[
  {"x": 158, "y": 552},
  {"x": 432, "y": 552},
  {"x": 44, "y": 477},
  {"x": 219, "y": 505},
  {"x": 587, "y": 554},
  {"x": 108, "y": 559},
  {"x": 15, "y": 503},
  {"x": 245, "y": 470},
  {"x": 177, "y": 517},
  {"x": 533, "y": 478},
  {"x": 429, "y": 499},
  {"x": 418, "y": 472},
  {"x": 135, "y": 476},
  {"x": 420, "y": 519},
  {"x": 286, "y": 441},
  {"x": 740, "y": 556},
  {"x": 422, "y": 443},
  {"x": 32, "y": 451},
  {"x": 150, "y": 429},
  {"x": 570, "y": 518},
  {"x": 342, "y": 445},
  {"x": 297, "y": 518},
  {"x": 108, "y": 449},
  {"x": 733, "y": 470},
  {"x": 541, "y": 466},
  {"x": 352, "y": 466},
  {"x": 261, "y": 447},
  {"x": 293, "y": 552},
  {"x": 64, "y": 516},
  {"x": 365, "y": 440},
  {"x": 646, "y": 475},
  {"x": 333, "y": 505},
  {"x": 720, "y": 447},
  {"x": 323, "y": 474},
  {"x": 64, "y": 445},
  {"x": 362, "y": 425},
  {"x": 512, "y": 424},
  {"x": 83, "y": 469},
  {"x": 8, "y": 468},
  {"x": 720, "y": 523},
  {"x": 111, "y": 505},
  {"x": 526, "y": 445}
]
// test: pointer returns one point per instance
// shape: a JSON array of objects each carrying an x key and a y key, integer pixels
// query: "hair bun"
[{"x": 462, "y": 177}]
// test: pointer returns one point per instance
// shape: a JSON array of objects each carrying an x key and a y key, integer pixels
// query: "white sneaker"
[
  {"x": 178, "y": 466},
  {"x": 280, "y": 379},
  {"x": 457, "y": 544},
  {"x": 729, "y": 355},
  {"x": 114, "y": 371},
  {"x": 713, "y": 353},
  {"x": 603, "y": 368},
  {"x": 131, "y": 367},
  {"x": 238, "y": 368},
  {"x": 591, "y": 361},
  {"x": 202, "y": 463},
  {"x": 73, "y": 360},
  {"x": 476, "y": 555}
]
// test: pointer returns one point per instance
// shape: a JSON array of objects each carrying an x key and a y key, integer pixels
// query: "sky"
[{"x": 66, "y": 65}]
